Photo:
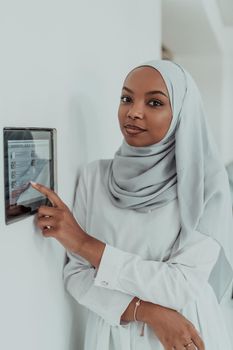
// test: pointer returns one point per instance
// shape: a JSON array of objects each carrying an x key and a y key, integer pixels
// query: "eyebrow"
[{"x": 147, "y": 93}]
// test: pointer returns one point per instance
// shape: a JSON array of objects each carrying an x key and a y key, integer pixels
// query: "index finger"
[
  {"x": 198, "y": 342},
  {"x": 52, "y": 196}
]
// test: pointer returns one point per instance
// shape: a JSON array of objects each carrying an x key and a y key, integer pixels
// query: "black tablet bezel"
[{"x": 32, "y": 206}]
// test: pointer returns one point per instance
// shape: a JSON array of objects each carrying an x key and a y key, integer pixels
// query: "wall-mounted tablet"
[{"x": 29, "y": 155}]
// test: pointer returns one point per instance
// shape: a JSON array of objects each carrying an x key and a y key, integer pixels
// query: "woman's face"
[{"x": 144, "y": 112}]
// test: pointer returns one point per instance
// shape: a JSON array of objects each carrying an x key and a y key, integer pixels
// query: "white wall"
[{"x": 61, "y": 65}]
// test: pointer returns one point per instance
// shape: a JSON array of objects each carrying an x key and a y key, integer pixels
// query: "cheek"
[
  {"x": 160, "y": 123},
  {"x": 121, "y": 114}
]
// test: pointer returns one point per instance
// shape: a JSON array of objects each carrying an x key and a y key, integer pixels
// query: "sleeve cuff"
[
  {"x": 110, "y": 266},
  {"x": 108, "y": 304}
]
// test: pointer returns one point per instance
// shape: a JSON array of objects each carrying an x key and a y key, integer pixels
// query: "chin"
[{"x": 135, "y": 143}]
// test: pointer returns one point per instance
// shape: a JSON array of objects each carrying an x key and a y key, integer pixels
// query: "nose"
[{"x": 135, "y": 114}]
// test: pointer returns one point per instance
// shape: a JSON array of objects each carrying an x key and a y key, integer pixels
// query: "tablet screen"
[{"x": 29, "y": 156}]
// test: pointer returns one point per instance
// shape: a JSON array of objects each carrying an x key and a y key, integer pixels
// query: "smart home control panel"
[{"x": 29, "y": 155}]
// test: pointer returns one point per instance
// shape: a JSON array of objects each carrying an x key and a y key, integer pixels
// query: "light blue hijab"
[{"x": 184, "y": 164}]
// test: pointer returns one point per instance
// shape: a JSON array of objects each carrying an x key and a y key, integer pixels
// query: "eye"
[
  {"x": 155, "y": 103},
  {"x": 126, "y": 99}
]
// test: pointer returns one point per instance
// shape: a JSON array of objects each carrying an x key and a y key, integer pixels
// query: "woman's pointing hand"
[{"x": 58, "y": 222}]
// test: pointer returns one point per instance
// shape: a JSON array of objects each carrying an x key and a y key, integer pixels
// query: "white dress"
[{"x": 136, "y": 263}]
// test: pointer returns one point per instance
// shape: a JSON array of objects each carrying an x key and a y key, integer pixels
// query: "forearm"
[
  {"x": 78, "y": 281},
  {"x": 89, "y": 248},
  {"x": 173, "y": 283},
  {"x": 171, "y": 328},
  {"x": 143, "y": 311}
]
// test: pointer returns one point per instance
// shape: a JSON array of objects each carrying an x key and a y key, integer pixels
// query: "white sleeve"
[
  {"x": 79, "y": 274},
  {"x": 172, "y": 284}
]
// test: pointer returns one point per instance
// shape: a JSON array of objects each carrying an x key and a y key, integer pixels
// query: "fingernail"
[{"x": 33, "y": 183}]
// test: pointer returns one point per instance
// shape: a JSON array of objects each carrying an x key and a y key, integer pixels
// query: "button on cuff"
[
  {"x": 109, "y": 267},
  {"x": 104, "y": 283}
]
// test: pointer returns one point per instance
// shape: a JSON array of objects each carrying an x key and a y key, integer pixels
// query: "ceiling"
[{"x": 226, "y": 11}]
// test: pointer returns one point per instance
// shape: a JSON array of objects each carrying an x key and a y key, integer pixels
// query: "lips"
[{"x": 133, "y": 129}]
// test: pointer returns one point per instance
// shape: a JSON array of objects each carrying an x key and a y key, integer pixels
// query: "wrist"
[
  {"x": 81, "y": 238},
  {"x": 91, "y": 249},
  {"x": 146, "y": 312},
  {"x": 142, "y": 314}
]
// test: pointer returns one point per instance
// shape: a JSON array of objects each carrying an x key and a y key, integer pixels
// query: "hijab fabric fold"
[
  {"x": 185, "y": 165},
  {"x": 132, "y": 171}
]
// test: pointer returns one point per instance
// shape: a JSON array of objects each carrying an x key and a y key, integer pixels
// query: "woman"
[{"x": 144, "y": 244}]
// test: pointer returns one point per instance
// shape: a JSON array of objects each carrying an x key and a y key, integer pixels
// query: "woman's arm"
[
  {"x": 172, "y": 284},
  {"x": 172, "y": 329},
  {"x": 78, "y": 276},
  {"x": 58, "y": 222}
]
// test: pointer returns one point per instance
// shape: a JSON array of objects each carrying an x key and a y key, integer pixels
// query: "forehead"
[{"x": 146, "y": 79}]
